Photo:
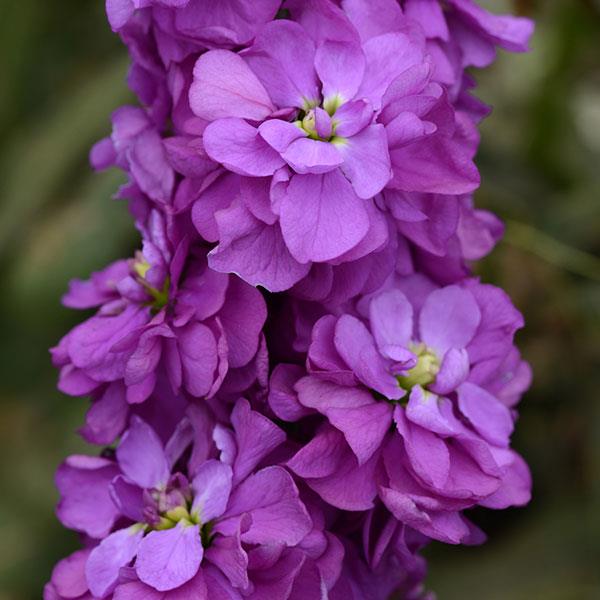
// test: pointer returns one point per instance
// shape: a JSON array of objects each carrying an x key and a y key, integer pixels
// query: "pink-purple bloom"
[{"x": 304, "y": 441}]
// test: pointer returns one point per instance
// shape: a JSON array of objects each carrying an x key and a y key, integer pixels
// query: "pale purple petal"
[
  {"x": 271, "y": 498},
  {"x": 432, "y": 412},
  {"x": 141, "y": 455},
  {"x": 487, "y": 414},
  {"x": 167, "y": 559},
  {"x": 282, "y": 57},
  {"x": 105, "y": 561},
  {"x": 255, "y": 435},
  {"x": 212, "y": 486},
  {"x": 367, "y": 161},
  {"x": 449, "y": 319},
  {"x": 453, "y": 371},
  {"x": 68, "y": 576},
  {"x": 239, "y": 147},
  {"x": 280, "y": 134},
  {"x": 321, "y": 217},
  {"x": 391, "y": 317},
  {"x": 305, "y": 155},
  {"x": 85, "y": 504},
  {"x": 129, "y": 498},
  {"x": 225, "y": 86},
  {"x": 340, "y": 67},
  {"x": 356, "y": 346},
  {"x": 199, "y": 357},
  {"x": 255, "y": 251},
  {"x": 352, "y": 117}
]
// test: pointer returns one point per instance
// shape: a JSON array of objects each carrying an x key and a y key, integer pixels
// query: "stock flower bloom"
[
  {"x": 163, "y": 311},
  {"x": 317, "y": 124},
  {"x": 197, "y": 527},
  {"x": 417, "y": 394}
]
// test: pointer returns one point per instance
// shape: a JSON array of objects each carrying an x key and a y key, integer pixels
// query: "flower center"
[
  {"x": 424, "y": 372},
  {"x": 160, "y": 297}
]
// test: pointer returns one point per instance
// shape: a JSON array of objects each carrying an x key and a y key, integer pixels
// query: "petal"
[
  {"x": 141, "y": 455},
  {"x": 487, "y": 414},
  {"x": 255, "y": 435},
  {"x": 432, "y": 412},
  {"x": 225, "y": 86},
  {"x": 453, "y": 371},
  {"x": 255, "y": 251},
  {"x": 391, "y": 318},
  {"x": 356, "y": 346},
  {"x": 212, "y": 487},
  {"x": 106, "y": 559},
  {"x": 449, "y": 319},
  {"x": 312, "y": 156},
  {"x": 387, "y": 55},
  {"x": 340, "y": 67},
  {"x": 270, "y": 497},
  {"x": 321, "y": 217},
  {"x": 238, "y": 147},
  {"x": 242, "y": 316},
  {"x": 167, "y": 559},
  {"x": 128, "y": 497},
  {"x": 68, "y": 576},
  {"x": 227, "y": 554},
  {"x": 199, "y": 358},
  {"x": 282, "y": 57},
  {"x": 280, "y": 134},
  {"x": 352, "y": 117},
  {"x": 367, "y": 161},
  {"x": 107, "y": 416},
  {"x": 85, "y": 504}
]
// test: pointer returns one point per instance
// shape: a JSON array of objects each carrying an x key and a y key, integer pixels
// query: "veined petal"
[
  {"x": 321, "y": 217},
  {"x": 225, "y": 86}
]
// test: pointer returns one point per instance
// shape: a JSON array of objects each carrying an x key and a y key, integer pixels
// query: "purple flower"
[
  {"x": 317, "y": 124},
  {"x": 163, "y": 312},
  {"x": 438, "y": 369},
  {"x": 186, "y": 525}
]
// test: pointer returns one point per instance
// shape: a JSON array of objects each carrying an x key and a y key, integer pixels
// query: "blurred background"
[{"x": 62, "y": 73}]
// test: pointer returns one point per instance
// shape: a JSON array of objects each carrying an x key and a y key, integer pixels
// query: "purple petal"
[
  {"x": 428, "y": 454},
  {"x": 486, "y": 413},
  {"x": 141, "y": 455},
  {"x": 352, "y": 117},
  {"x": 340, "y": 67},
  {"x": 387, "y": 55},
  {"x": 238, "y": 146},
  {"x": 356, "y": 346},
  {"x": 364, "y": 427},
  {"x": 86, "y": 505},
  {"x": 282, "y": 57},
  {"x": 280, "y": 134},
  {"x": 374, "y": 17},
  {"x": 321, "y": 217},
  {"x": 227, "y": 554},
  {"x": 449, "y": 319},
  {"x": 453, "y": 371},
  {"x": 391, "y": 317},
  {"x": 432, "y": 412},
  {"x": 199, "y": 358},
  {"x": 68, "y": 576},
  {"x": 367, "y": 161},
  {"x": 212, "y": 486},
  {"x": 167, "y": 559},
  {"x": 271, "y": 498},
  {"x": 107, "y": 416},
  {"x": 255, "y": 251},
  {"x": 129, "y": 498},
  {"x": 242, "y": 316},
  {"x": 225, "y": 86},
  {"x": 312, "y": 156},
  {"x": 256, "y": 437},
  {"x": 106, "y": 559}
]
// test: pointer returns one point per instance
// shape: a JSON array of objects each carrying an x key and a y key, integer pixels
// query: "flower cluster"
[{"x": 296, "y": 382}]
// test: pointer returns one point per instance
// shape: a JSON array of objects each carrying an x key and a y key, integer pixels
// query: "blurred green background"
[{"x": 62, "y": 73}]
